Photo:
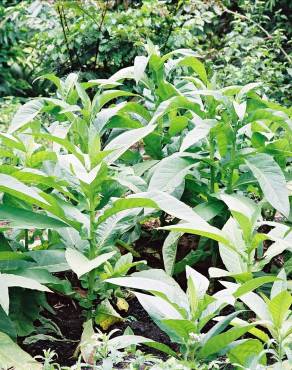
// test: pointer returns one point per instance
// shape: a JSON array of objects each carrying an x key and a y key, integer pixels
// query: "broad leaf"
[
  {"x": 82, "y": 265},
  {"x": 271, "y": 180},
  {"x": 25, "y": 114},
  {"x": 12, "y": 356},
  {"x": 24, "y": 219},
  {"x": 9, "y": 280}
]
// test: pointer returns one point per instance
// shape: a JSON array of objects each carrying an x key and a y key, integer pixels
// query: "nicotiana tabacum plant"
[
  {"x": 81, "y": 173},
  {"x": 240, "y": 138},
  {"x": 184, "y": 316},
  {"x": 274, "y": 314},
  {"x": 240, "y": 241}
]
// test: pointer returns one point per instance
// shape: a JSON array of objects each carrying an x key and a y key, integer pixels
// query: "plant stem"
[
  {"x": 241, "y": 16},
  {"x": 230, "y": 178},
  {"x": 65, "y": 36},
  {"x": 26, "y": 242},
  {"x": 103, "y": 14},
  {"x": 92, "y": 244},
  {"x": 212, "y": 169},
  {"x": 128, "y": 247},
  {"x": 232, "y": 159}
]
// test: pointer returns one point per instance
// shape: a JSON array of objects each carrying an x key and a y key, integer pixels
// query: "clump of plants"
[{"x": 84, "y": 171}]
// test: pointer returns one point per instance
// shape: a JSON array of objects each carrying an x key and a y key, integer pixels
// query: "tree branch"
[{"x": 241, "y": 16}]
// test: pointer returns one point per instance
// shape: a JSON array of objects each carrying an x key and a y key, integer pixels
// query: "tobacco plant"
[
  {"x": 274, "y": 314},
  {"x": 183, "y": 316},
  {"x": 81, "y": 171}
]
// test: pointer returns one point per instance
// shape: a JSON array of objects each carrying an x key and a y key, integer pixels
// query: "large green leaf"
[
  {"x": 6, "y": 325},
  {"x": 12, "y": 186},
  {"x": 169, "y": 173},
  {"x": 156, "y": 200},
  {"x": 233, "y": 259},
  {"x": 120, "y": 144},
  {"x": 271, "y": 180},
  {"x": 253, "y": 284},
  {"x": 125, "y": 341},
  {"x": 279, "y": 307},
  {"x": 10, "y": 280},
  {"x": 158, "y": 308},
  {"x": 154, "y": 280},
  {"x": 203, "y": 229},
  {"x": 12, "y": 356},
  {"x": 174, "y": 103},
  {"x": 243, "y": 353},
  {"x": 51, "y": 260},
  {"x": 82, "y": 265},
  {"x": 201, "y": 131},
  {"x": 25, "y": 114},
  {"x": 169, "y": 250},
  {"x": 196, "y": 65},
  {"x": 101, "y": 99},
  {"x": 24, "y": 219},
  {"x": 221, "y": 341}
]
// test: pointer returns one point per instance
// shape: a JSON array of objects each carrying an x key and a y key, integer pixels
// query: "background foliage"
[{"x": 246, "y": 40}]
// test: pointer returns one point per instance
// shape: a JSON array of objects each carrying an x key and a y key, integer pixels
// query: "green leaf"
[
  {"x": 158, "y": 308},
  {"x": 253, "y": 284},
  {"x": 12, "y": 356},
  {"x": 233, "y": 257},
  {"x": 156, "y": 200},
  {"x": 201, "y": 131},
  {"x": 6, "y": 325},
  {"x": 101, "y": 99},
  {"x": 179, "y": 330},
  {"x": 157, "y": 282},
  {"x": 279, "y": 307},
  {"x": 169, "y": 250},
  {"x": 51, "y": 260},
  {"x": 82, "y": 265},
  {"x": 203, "y": 229},
  {"x": 271, "y": 180},
  {"x": 24, "y": 219},
  {"x": 221, "y": 341},
  {"x": 12, "y": 142},
  {"x": 120, "y": 144},
  {"x": 125, "y": 341},
  {"x": 244, "y": 210},
  {"x": 87, "y": 342},
  {"x": 244, "y": 352},
  {"x": 280, "y": 284},
  {"x": 174, "y": 103},
  {"x": 12, "y": 186},
  {"x": 196, "y": 65},
  {"x": 9, "y": 280},
  {"x": 169, "y": 173},
  {"x": 25, "y": 114}
]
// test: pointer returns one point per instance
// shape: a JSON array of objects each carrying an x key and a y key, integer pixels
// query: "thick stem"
[
  {"x": 232, "y": 159},
  {"x": 92, "y": 245},
  {"x": 212, "y": 169},
  {"x": 26, "y": 241}
]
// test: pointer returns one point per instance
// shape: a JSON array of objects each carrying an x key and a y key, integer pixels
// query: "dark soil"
[
  {"x": 68, "y": 317},
  {"x": 141, "y": 324}
]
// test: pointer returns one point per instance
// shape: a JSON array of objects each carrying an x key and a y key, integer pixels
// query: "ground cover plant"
[{"x": 145, "y": 212}]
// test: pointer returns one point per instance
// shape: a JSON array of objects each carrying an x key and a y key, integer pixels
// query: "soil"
[
  {"x": 68, "y": 316},
  {"x": 141, "y": 324}
]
